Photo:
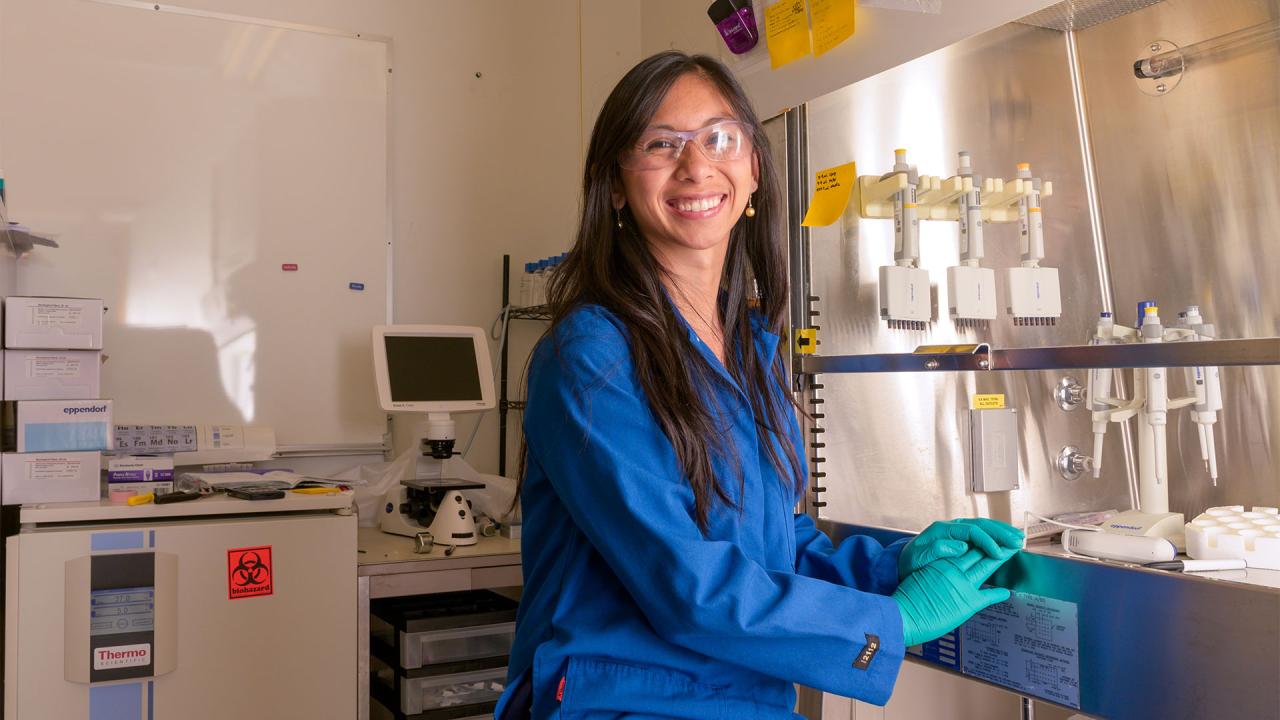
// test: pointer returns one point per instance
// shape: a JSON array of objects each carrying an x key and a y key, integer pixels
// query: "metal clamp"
[
  {"x": 423, "y": 542},
  {"x": 1069, "y": 393},
  {"x": 1072, "y": 463}
]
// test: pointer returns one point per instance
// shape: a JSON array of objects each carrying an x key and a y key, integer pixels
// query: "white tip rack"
[{"x": 1232, "y": 533}]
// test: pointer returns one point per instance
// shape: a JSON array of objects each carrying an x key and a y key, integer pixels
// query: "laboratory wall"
[
  {"x": 491, "y": 103},
  {"x": 1189, "y": 182},
  {"x": 897, "y": 444}
]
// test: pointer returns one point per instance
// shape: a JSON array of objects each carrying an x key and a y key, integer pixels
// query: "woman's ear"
[
  {"x": 755, "y": 171},
  {"x": 617, "y": 194}
]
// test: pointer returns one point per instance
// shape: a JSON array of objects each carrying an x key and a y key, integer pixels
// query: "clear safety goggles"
[{"x": 725, "y": 140}]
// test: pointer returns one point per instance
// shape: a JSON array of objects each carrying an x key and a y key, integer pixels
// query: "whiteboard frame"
[{"x": 316, "y": 450}]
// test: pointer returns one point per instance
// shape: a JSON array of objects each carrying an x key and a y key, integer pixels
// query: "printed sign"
[
  {"x": 249, "y": 572},
  {"x": 122, "y": 656}
]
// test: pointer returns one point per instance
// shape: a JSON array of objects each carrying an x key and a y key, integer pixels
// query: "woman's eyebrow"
[{"x": 706, "y": 123}]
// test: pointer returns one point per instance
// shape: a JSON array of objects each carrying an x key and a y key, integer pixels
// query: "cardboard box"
[
  {"x": 139, "y": 469},
  {"x": 31, "y": 478},
  {"x": 44, "y": 323},
  {"x": 52, "y": 374},
  {"x": 57, "y": 425}
]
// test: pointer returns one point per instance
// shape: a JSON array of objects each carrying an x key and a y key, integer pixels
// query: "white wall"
[{"x": 491, "y": 103}]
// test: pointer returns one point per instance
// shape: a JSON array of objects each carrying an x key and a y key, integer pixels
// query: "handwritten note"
[
  {"x": 786, "y": 25},
  {"x": 832, "y": 24},
  {"x": 832, "y": 188}
]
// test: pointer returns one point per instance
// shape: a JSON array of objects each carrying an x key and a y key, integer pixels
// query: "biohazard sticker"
[{"x": 249, "y": 572}]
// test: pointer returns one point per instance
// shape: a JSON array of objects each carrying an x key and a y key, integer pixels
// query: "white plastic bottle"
[{"x": 526, "y": 285}]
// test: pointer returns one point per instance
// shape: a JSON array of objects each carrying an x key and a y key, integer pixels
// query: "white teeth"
[{"x": 699, "y": 205}]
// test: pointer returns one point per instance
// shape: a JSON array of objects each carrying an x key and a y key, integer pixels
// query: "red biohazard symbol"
[{"x": 249, "y": 572}]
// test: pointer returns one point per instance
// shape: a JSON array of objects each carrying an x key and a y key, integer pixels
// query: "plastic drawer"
[
  {"x": 451, "y": 646},
  {"x": 443, "y": 629},
  {"x": 455, "y": 695},
  {"x": 378, "y": 711}
]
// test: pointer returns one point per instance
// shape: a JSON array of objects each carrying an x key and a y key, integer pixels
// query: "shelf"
[
  {"x": 535, "y": 312},
  {"x": 1257, "y": 351}
]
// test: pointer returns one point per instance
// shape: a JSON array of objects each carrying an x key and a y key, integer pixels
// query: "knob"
[{"x": 1069, "y": 393}]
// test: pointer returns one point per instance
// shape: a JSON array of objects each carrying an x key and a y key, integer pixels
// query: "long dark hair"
[{"x": 612, "y": 267}]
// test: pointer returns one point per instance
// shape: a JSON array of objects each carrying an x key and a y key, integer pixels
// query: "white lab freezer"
[{"x": 214, "y": 608}]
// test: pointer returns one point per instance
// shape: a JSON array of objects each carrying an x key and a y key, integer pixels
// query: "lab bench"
[{"x": 387, "y": 566}]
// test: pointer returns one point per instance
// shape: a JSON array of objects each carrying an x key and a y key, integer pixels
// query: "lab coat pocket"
[{"x": 597, "y": 688}]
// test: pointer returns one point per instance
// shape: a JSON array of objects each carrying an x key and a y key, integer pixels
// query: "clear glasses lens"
[{"x": 662, "y": 148}]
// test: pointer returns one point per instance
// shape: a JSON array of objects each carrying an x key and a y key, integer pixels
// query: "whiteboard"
[{"x": 186, "y": 164}]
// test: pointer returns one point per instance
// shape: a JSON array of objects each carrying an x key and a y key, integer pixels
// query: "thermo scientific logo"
[
  {"x": 92, "y": 409},
  {"x": 122, "y": 656}
]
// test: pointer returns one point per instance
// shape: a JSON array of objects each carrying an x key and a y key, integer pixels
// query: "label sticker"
[
  {"x": 356, "y": 286},
  {"x": 225, "y": 436},
  {"x": 52, "y": 469},
  {"x": 994, "y": 401},
  {"x": 249, "y": 572},
  {"x": 1030, "y": 644},
  {"x": 122, "y": 656},
  {"x": 289, "y": 267},
  {"x": 56, "y": 315},
  {"x": 53, "y": 366}
]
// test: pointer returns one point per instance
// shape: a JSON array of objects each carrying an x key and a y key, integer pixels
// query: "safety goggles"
[{"x": 656, "y": 149}]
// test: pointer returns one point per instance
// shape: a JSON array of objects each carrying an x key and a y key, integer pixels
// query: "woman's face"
[{"x": 693, "y": 203}]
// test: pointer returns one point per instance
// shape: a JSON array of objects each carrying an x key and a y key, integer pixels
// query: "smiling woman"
[{"x": 666, "y": 573}]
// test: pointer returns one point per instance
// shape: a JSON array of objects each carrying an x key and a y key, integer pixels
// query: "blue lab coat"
[{"x": 628, "y": 609}]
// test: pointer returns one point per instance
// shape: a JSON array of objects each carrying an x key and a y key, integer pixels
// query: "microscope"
[{"x": 437, "y": 370}]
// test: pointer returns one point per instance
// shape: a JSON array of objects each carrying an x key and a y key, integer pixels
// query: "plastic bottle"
[
  {"x": 526, "y": 285},
  {"x": 540, "y": 283}
]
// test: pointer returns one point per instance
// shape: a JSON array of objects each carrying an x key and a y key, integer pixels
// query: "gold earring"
[
  {"x": 751, "y": 211},
  {"x": 617, "y": 214}
]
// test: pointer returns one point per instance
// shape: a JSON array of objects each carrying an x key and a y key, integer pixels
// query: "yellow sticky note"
[
  {"x": 832, "y": 188},
  {"x": 832, "y": 23},
  {"x": 988, "y": 402},
  {"x": 786, "y": 28}
]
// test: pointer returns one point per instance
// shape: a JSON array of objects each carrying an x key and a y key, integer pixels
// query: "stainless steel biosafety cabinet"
[{"x": 1165, "y": 189}]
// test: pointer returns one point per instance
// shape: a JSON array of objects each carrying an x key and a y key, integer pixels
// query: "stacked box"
[
  {"x": 140, "y": 474},
  {"x": 54, "y": 425}
]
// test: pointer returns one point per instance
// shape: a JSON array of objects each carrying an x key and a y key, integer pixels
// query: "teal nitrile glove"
[
  {"x": 938, "y": 597},
  {"x": 954, "y": 538}
]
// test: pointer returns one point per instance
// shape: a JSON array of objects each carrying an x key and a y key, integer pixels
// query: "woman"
[{"x": 666, "y": 573}]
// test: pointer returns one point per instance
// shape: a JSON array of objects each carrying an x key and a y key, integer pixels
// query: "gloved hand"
[
  {"x": 954, "y": 538},
  {"x": 938, "y": 597}
]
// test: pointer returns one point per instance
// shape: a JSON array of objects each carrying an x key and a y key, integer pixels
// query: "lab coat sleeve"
[
  {"x": 859, "y": 562},
  {"x": 589, "y": 426}
]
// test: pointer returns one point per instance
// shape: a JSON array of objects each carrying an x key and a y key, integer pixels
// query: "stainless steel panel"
[
  {"x": 1163, "y": 645},
  {"x": 1189, "y": 183},
  {"x": 896, "y": 443}
]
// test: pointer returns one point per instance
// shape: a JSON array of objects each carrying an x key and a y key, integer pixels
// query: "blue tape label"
[
  {"x": 356, "y": 286},
  {"x": 1030, "y": 643},
  {"x": 944, "y": 651}
]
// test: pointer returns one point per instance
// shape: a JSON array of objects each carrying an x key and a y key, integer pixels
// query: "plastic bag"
[{"x": 372, "y": 481}]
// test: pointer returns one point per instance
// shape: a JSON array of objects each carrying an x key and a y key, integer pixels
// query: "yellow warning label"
[
  {"x": 994, "y": 401},
  {"x": 806, "y": 341}
]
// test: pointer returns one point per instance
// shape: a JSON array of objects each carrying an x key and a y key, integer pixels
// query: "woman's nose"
[{"x": 694, "y": 163}]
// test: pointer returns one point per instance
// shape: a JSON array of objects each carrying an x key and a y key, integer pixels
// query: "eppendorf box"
[
  {"x": 52, "y": 374},
  {"x": 57, "y": 425},
  {"x": 31, "y": 478},
  {"x": 45, "y": 323}
]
